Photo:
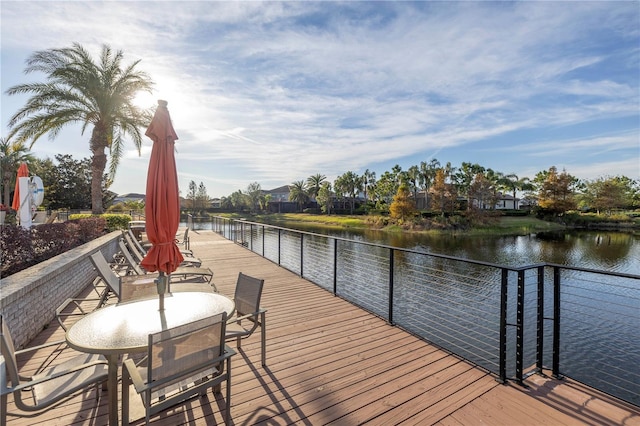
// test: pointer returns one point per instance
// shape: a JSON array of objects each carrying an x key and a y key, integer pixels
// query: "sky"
[{"x": 274, "y": 92}]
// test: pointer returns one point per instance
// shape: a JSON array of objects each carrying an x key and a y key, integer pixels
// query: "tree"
[
  {"x": 402, "y": 207},
  {"x": 11, "y": 155},
  {"x": 348, "y": 184},
  {"x": 254, "y": 191},
  {"x": 556, "y": 192},
  {"x": 482, "y": 193},
  {"x": 202, "y": 197},
  {"x": 192, "y": 195},
  {"x": 428, "y": 173},
  {"x": 314, "y": 182},
  {"x": 298, "y": 193},
  {"x": 444, "y": 193},
  {"x": 607, "y": 194},
  {"x": 386, "y": 187},
  {"x": 413, "y": 176},
  {"x": 80, "y": 90},
  {"x": 325, "y": 198},
  {"x": 513, "y": 183},
  {"x": 368, "y": 184},
  {"x": 238, "y": 200},
  {"x": 67, "y": 182},
  {"x": 464, "y": 178}
]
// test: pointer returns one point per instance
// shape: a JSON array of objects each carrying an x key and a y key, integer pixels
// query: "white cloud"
[{"x": 274, "y": 92}]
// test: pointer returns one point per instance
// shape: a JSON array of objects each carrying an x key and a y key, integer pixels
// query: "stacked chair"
[{"x": 124, "y": 279}]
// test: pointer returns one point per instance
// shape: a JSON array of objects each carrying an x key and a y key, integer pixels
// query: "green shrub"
[
  {"x": 21, "y": 248},
  {"x": 117, "y": 221},
  {"x": 113, "y": 221}
]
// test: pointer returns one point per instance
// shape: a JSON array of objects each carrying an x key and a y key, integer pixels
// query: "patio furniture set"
[{"x": 171, "y": 354}]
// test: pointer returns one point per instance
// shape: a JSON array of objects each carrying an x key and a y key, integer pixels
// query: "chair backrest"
[
  {"x": 104, "y": 270},
  {"x": 247, "y": 295},
  {"x": 128, "y": 257},
  {"x": 9, "y": 354},
  {"x": 136, "y": 251},
  {"x": 133, "y": 240},
  {"x": 184, "y": 350}
]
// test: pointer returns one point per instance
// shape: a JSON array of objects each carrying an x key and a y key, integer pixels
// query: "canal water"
[
  {"x": 594, "y": 339},
  {"x": 602, "y": 250}
]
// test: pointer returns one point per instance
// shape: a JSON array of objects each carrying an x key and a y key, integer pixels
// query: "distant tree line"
[{"x": 444, "y": 189}]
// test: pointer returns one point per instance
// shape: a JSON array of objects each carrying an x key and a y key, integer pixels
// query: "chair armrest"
[
  {"x": 136, "y": 378},
  {"x": 247, "y": 316},
  {"x": 44, "y": 345},
  {"x": 140, "y": 386},
  {"x": 30, "y": 383}
]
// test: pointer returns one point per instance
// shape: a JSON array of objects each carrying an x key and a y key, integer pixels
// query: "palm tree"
[
  {"x": 427, "y": 177},
  {"x": 11, "y": 155},
  {"x": 413, "y": 176},
  {"x": 80, "y": 90},
  {"x": 513, "y": 183},
  {"x": 368, "y": 183},
  {"x": 298, "y": 193},
  {"x": 314, "y": 183}
]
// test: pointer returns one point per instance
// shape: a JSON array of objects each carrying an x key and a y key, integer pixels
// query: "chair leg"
[
  {"x": 227, "y": 413},
  {"x": 3, "y": 410},
  {"x": 126, "y": 382},
  {"x": 263, "y": 335}
]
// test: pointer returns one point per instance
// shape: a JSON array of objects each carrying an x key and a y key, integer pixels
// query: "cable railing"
[{"x": 511, "y": 321}]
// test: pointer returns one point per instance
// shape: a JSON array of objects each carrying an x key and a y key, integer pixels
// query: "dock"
[{"x": 330, "y": 362}]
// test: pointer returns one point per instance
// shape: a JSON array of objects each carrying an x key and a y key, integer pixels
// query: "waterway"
[
  {"x": 599, "y": 335},
  {"x": 602, "y": 250}
]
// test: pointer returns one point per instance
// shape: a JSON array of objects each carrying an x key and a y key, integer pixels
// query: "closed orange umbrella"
[
  {"x": 162, "y": 205},
  {"x": 23, "y": 171}
]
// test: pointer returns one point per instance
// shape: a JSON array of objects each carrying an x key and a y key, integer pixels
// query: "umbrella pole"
[{"x": 161, "y": 284}]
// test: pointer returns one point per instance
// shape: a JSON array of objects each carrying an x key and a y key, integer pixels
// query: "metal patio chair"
[
  {"x": 183, "y": 273},
  {"x": 181, "y": 363},
  {"x": 139, "y": 254},
  {"x": 249, "y": 315},
  {"x": 50, "y": 385}
]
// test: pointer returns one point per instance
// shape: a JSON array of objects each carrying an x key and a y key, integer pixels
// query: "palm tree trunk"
[{"x": 98, "y": 164}]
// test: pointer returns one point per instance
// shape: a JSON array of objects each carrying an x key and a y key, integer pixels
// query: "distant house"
[
  {"x": 129, "y": 197},
  {"x": 280, "y": 200},
  {"x": 504, "y": 202},
  {"x": 279, "y": 194},
  {"x": 507, "y": 202}
]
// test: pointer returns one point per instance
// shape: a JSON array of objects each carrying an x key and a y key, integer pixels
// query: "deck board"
[{"x": 330, "y": 362}]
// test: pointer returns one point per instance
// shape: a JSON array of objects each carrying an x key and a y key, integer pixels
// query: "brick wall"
[{"x": 29, "y": 298}]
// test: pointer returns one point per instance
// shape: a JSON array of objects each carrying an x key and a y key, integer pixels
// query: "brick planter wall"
[{"x": 29, "y": 298}]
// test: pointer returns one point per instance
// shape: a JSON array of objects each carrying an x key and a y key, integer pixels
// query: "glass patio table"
[{"x": 125, "y": 327}]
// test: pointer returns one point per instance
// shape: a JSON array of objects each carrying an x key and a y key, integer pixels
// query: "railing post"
[
  {"x": 555, "y": 369},
  {"x": 335, "y": 266},
  {"x": 302, "y": 255},
  {"x": 391, "y": 265},
  {"x": 540, "y": 322},
  {"x": 251, "y": 237},
  {"x": 520, "y": 328},
  {"x": 502, "y": 368},
  {"x": 279, "y": 238},
  {"x": 263, "y": 255}
]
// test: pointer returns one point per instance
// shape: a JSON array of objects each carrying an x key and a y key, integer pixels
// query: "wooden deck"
[{"x": 330, "y": 362}]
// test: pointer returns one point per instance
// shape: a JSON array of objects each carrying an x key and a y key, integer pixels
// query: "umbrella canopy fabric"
[
  {"x": 23, "y": 171},
  {"x": 162, "y": 205}
]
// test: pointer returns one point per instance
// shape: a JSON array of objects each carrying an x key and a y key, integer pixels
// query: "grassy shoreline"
[{"x": 504, "y": 226}]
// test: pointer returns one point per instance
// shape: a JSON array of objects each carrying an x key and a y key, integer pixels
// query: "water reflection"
[{"x": 609, "y": 251}]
